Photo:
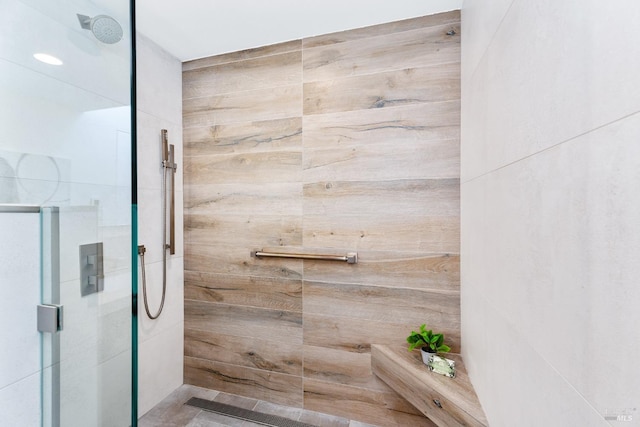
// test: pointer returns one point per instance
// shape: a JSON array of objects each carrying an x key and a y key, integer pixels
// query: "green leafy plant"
[{"x": 426, "y": 338}]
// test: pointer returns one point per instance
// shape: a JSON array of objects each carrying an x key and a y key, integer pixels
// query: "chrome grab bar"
[{"x": 349, "y": 258}]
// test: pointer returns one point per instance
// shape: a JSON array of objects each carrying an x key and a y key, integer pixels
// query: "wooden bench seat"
[{"x": 445, "y": 401}]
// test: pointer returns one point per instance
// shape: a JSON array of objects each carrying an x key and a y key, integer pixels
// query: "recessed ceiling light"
[{"x": 47, "y": 59}]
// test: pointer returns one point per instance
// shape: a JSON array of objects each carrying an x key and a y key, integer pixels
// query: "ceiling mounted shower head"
[{"x": 105, "y": 28}]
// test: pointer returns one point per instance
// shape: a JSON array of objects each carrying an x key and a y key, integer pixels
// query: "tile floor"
[{"x": 172, "y": 412}]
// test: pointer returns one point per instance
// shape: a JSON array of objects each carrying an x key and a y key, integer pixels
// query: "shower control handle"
[{"x": 91, "y": 269}]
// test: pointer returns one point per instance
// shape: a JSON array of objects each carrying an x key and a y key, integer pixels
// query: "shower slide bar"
[
  {"x": 168, "y": 164},
  {"x": 349, "y": 258},
  {"x": 169, "y": 167}
]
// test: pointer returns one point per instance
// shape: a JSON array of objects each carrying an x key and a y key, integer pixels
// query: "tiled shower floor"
[{"x": 172, "y": 412}]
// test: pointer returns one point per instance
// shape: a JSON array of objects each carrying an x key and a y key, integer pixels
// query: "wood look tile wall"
[{"x": 342, "y": 142}]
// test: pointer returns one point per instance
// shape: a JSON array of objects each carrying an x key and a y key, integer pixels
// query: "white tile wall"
[
  {"x": 19, "y": 292},
  {"x": 481, "y": 23},
  {"x": 552, "y": 71},
  {"x": 173, "y": 312},
  {"x": 160, "y": 366},
  {"x": 550, "y": 166},
  {"x": 160, "y": 341},
  {"x": 20, "y": 402},
  {"x": 158, "y": 87}
]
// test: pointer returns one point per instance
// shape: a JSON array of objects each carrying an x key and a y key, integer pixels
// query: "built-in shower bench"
[{"x": 445, "y": 401}]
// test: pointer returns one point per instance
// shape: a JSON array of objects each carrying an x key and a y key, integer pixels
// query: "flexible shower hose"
[{"x": 141, "y": 252}]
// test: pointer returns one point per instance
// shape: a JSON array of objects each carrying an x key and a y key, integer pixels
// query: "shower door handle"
[{"x": 49, "y": 318}]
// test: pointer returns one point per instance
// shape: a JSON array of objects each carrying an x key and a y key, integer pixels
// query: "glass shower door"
[
  {"x": 66, "y": 154},
  {"x": 20, "y": 400}
]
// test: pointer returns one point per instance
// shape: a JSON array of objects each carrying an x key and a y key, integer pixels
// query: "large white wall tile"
[
  {"x": 150, "y": 232},
  {"x": 20, "y": 403},
  {"x": 160, "y": 367},
  {"x": 549, "y": 206},
  {"x": 116, "y": 242},
  {"x": 173, "y": 311},
  {"x": 567, "y": 234},
  {"x": 553, "y": 70},
  {"x": 480, "y": 25},
  {"x": 520, "y": 388},
  {"x": 473, "y": 273},
  {"x": 116, "y": 393},
  {"x": 161, "y": 340},
  {"x": 78, "y": 226},
  {"x": 159, "y": 92},
  {"x": 20, "y": 294}
]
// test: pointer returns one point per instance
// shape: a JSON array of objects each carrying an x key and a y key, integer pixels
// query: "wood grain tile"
[
  {"x": 373, "y": 161},
  {"x": 357, "y": 335},
  {"x": 258, "y": 384},
  {"x": 402, "y": 124},
  {"x": 452, "y": 17},
  {"x": 242, "y": 55},
  {"x": 237, "y": 107},
  {"x": 424, "y": 271},
  {"x": 248, "y": 231},
  {"x": 340, "y": 366},
  {"x": 245, "y": 168},
  {"x": 383, "y": 90},
  {"x": 252, "y": 353},
  {"x": 438, "y": 309},
  {"x": 343, "y": 142},
  {"x": 429, "y": 197},
  {"x": 264, "y": 292},
  {"x": 271, "y": 71},
  {"x": 371, "y": 406},
  {"x": 383, "y": 144},
  {"x": 423, "y": 47},
  {"x": 277, "y": 326},
  {"x": 248, "y": 137},
  {"x": 411, "y": 233},
  {"x": 244, "y": 199},
  {"x": 237, "y": 260}
]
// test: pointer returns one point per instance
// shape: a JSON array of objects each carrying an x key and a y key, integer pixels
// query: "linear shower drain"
[{"x": 244, "y": 414}]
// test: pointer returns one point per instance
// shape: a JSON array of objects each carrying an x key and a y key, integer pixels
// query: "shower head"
[{"x": 105, "y": 28}]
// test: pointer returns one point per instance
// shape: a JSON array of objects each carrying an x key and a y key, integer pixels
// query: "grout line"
[
  {"x": 293, "y": 49},
  {"x": 484, "y": 53},
  {"x": 370, "y": 28},
  {"x": 502, "y": 316},
  {"x": 340, "y": 113},
  {"x": 339, "y": 78},
  {"x": 389, "y": 70},
  {"x": 553, "y": 146}
]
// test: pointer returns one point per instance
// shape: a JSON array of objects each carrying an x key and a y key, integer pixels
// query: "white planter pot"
[{"x": 426, "y": 356}]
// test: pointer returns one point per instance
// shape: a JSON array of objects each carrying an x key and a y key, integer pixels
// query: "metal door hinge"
[{"x": 49, "y": 318}]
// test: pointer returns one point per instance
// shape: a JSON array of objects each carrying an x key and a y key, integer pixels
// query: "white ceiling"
[{"x": 190, "y": 29}]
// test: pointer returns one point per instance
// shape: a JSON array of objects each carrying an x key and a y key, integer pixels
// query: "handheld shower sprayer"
[{"x": 168, "y": 169}]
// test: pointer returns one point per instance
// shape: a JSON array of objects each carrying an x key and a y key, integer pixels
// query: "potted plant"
[{"x": 429, "y": 343}]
